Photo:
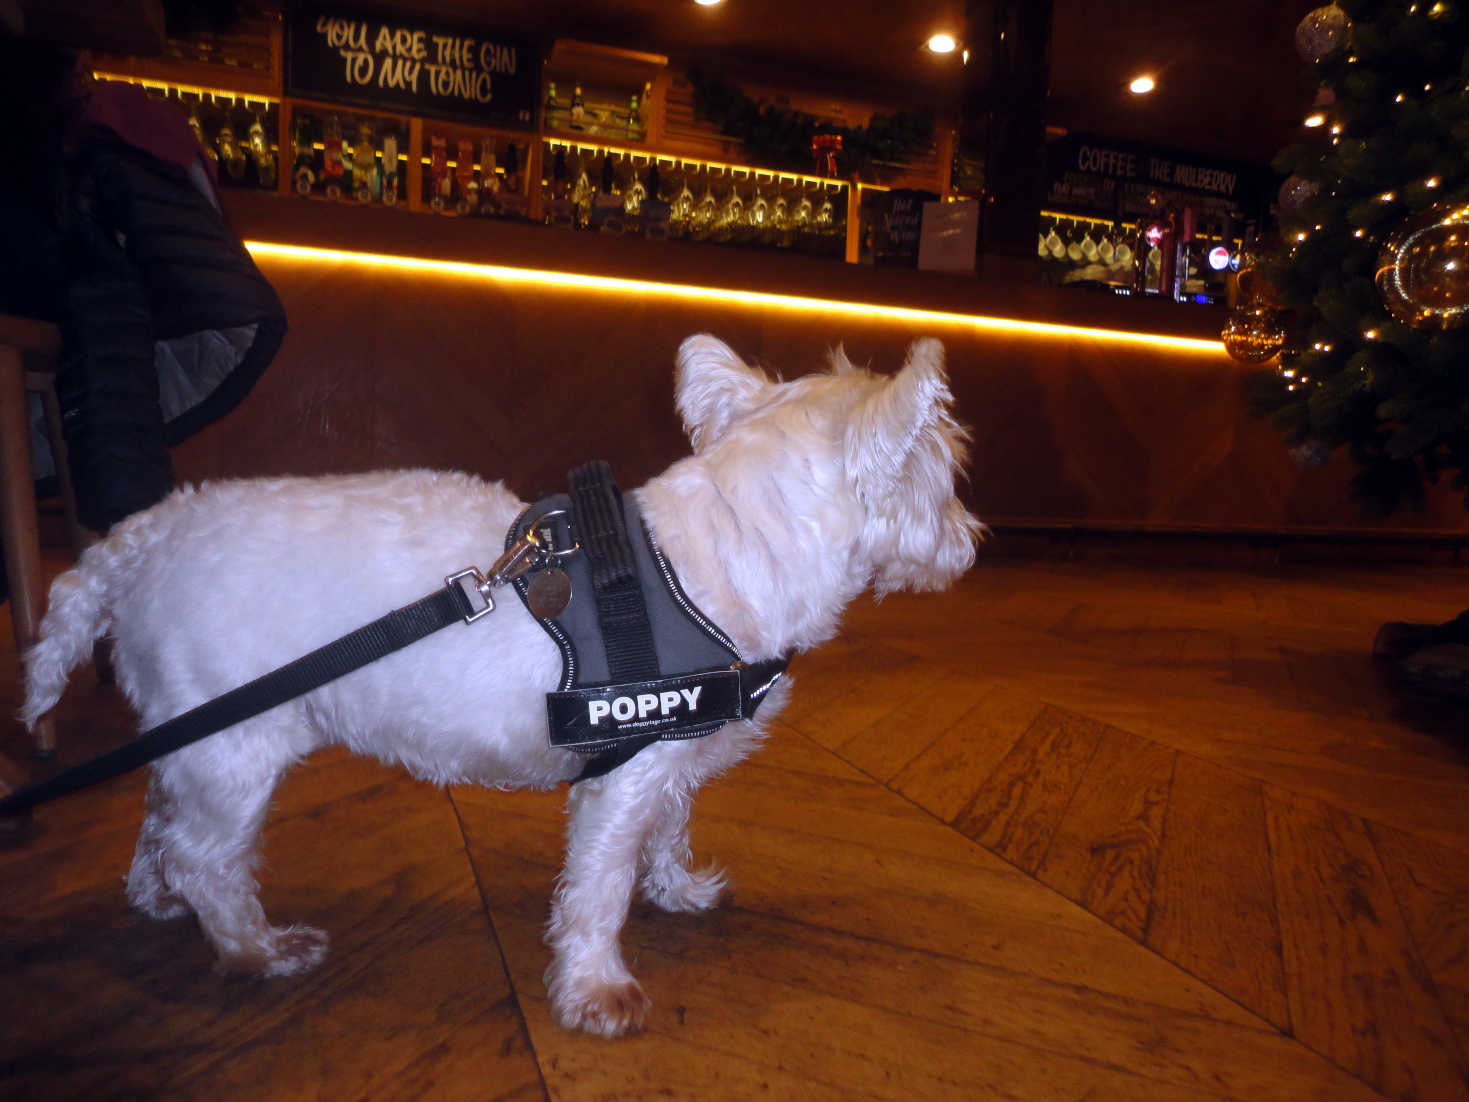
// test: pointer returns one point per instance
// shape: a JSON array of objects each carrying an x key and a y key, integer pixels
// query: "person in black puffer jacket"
[{"x": 166, "y": 321}]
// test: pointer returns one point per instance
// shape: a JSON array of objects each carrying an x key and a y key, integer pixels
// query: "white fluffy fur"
[{"x": 798, "y": 496}]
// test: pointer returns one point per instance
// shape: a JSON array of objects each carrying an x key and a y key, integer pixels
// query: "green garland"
[{"x": 782, "y": 137}]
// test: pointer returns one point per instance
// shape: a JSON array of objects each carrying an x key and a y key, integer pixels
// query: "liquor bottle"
[
  {"x": 607, "y": 214},
  {"x": 1154, "y": 246},
  {"x": 552, "y": 106},
  {"x": 334, "y": 162},
  {"x": 634, "y": 119},
  {"x": 489, "y": 179},
  {"x": 582, "y": 194},
  {"x": 464, "y": 178},
  {"x": 303, "y": 165},
  {"x": 366, "y": 181},
  {"x": 1185, "y": 250},
  {"x": 633, "y": 197},
  {"x": 512, "y": 169},
  {"x": 512, "y": 199},
  {"x": 578, "y": 107},
  {"x": 655, "y": 210},
  {"x": 438, "y": 169},
  {"x": 390, "y": 169},
  {"x": 265, "y": 168},
  {"x": 559, "y": 208}
]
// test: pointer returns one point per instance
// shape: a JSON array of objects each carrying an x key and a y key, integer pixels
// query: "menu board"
[
  {"x": 949, "y": 236},
  {"x": 1095, "y": 174},
  {"x": 410, "y": 66}
]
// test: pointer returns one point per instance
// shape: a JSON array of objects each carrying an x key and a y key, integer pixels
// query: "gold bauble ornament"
[
  {"x": 1253, "y": 334},
  {"x": 1322, "y": 32},
  {"x": 1255, "y": 289},
  {"x": 1253, "y": 250},
  {"x": 1423, "y": 268}
]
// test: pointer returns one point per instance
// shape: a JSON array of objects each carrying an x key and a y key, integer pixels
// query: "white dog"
[{"x": 798, "y": 496}]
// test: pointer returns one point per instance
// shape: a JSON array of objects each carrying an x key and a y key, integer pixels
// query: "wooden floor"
[{"x": 1074, "y": 831}]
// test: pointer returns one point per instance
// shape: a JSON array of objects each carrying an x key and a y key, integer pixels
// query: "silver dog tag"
[{"x": 548, "y": 593}]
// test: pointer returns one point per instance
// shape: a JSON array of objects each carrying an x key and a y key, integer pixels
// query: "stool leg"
[
  {"x": 81, "y": 538},
  {"x": 18, "y": 527},
  {"x": 44, "y": 384}
]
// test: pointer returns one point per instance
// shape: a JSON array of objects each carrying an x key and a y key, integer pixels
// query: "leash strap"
[{"x": 367, "y": 644}]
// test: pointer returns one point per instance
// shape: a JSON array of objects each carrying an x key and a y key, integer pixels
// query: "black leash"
[{"x": 383, "y": 636}]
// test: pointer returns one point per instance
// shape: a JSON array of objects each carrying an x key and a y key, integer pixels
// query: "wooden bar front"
[{"x": 387, "y": 365}]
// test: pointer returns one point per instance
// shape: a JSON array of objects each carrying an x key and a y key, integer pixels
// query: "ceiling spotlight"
[
  {"x": 1141, "y": 86},
  {"x": 1314, "y": 120},
  {"x": 942, "y": 44},
  {"x": 706, "y": 3}
]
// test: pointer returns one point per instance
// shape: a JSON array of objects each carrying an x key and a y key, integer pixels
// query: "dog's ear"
[
  {"x": 713, "y": 388},
  {"x": 889, "y": 423}
]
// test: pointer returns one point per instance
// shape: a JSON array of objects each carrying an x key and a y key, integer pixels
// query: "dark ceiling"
[{"x": 1229, "y": 80}]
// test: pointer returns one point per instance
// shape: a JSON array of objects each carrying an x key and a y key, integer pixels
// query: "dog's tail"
[{"x": 78, "y": 615}]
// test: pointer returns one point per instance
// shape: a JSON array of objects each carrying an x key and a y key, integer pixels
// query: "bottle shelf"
[{"x": 623, "y": 98}]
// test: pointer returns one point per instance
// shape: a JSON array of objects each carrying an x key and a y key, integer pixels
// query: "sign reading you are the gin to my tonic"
[{"x": 408, "y": 66}]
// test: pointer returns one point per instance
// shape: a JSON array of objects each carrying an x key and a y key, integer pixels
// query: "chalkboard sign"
[
  {"x": 895, "y": 237},
  {"x": 949, "y": 236},
  {"x": 412, "y": 67}
]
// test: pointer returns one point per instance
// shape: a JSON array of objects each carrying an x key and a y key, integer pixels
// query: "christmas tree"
[{"x": 1369, "y": 287}]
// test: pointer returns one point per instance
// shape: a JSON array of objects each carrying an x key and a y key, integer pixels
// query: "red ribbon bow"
[{"x": 824, "y": 149}]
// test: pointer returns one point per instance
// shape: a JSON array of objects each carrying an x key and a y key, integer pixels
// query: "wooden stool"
[{"x": 28, "y": 361}]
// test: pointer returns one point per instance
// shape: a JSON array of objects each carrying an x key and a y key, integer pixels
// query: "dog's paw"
[
  {"x": 290, "y": 951},
  {"x": 608, "y": 1010},
  {"x": 297, "y": 949},
  {"x": 686, "y": 892}
]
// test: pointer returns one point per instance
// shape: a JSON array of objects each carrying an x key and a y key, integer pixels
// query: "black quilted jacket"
[{"x": 166, "y": 323}]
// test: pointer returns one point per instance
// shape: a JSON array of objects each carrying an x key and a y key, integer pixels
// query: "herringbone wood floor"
[{"x": 1073, "y": 831}]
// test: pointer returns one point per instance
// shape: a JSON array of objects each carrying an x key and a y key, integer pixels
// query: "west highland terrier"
[{"x": 797, "y": 497}]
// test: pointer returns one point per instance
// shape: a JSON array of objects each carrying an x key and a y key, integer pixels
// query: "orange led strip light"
[{"x": 724, "y": 296}]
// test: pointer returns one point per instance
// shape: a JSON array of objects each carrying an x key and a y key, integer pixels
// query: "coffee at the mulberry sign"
[
  {"x": 1097, "y": 174},
  {"x": 465, "y": 73}
]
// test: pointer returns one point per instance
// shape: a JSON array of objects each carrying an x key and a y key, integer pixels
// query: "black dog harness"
[{"x": 639, "y": 662}]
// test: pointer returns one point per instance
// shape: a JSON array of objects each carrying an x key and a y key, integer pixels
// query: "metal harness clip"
[
  {"x": 476, "y": 590},
  {"x": 533, "y": 550}
]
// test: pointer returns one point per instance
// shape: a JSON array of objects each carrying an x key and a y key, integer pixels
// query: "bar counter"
[
  {"x": 518, "y": 350},
  {"x": 1005, "y": 288}
]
